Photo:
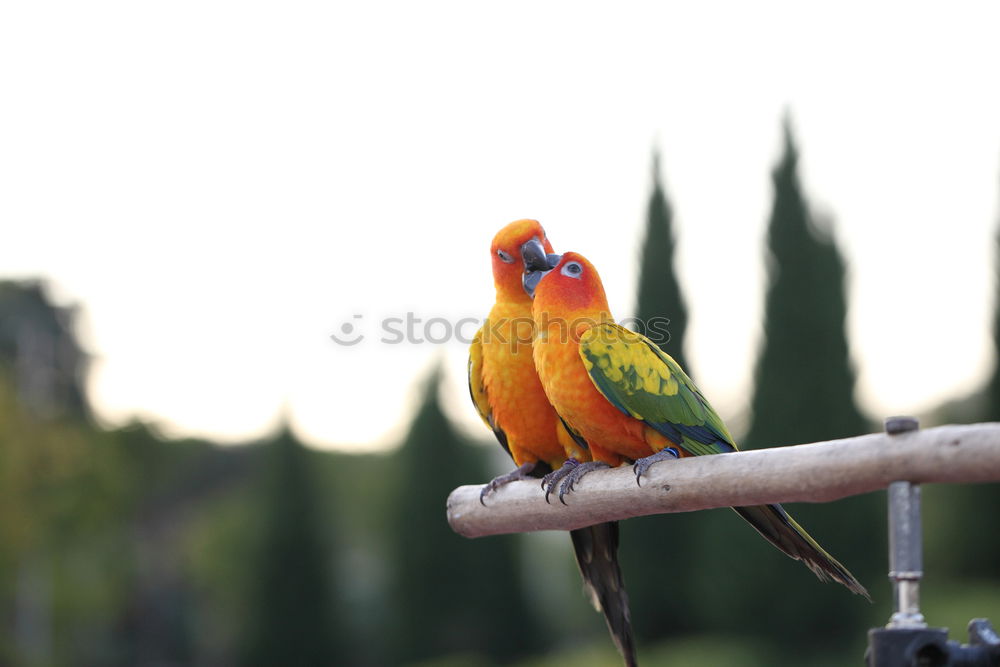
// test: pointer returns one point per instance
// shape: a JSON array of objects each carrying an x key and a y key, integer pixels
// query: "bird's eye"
[
  {"x": 572, "y": 269},
  {"x": 505, "y": 257}
]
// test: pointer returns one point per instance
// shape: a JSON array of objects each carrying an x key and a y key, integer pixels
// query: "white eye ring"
[
  {"x": 505, "y": 257},
  {"x": 572, "y": 269}
]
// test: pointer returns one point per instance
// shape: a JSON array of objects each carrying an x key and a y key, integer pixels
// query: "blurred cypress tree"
[
  {"x": 450, "y": 595},
  {"x": 39, "y": 344},
  {"x": 292, "y": 620},
  {"x": 660, "y": 601},
  {"x": 659, "y": 295},
  {"x": 804, "y": 393},
  {"x": 983, "y": 554},
  {"x": 976, "y": 552},
  {"x": 804, "y": 378},
  {"x": 991, "y": 410}
]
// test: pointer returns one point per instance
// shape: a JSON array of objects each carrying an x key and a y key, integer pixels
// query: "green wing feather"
[{"x": 643, "y": 381}]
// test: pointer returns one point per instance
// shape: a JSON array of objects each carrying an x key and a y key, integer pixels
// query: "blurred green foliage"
[
  {"x": 486, "y": 611},
  {"x": 121, "y": 547},
  {"x": 292, "y": 619}
]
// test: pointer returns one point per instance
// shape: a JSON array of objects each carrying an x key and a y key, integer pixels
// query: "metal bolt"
[{"x": 901, "y": 424}]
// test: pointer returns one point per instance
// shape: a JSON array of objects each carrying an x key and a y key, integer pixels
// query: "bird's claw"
[
  {"x": 642, "y": 466},
  {"x": 521, "y": 472},
  {"x": 574, "y": 475},
  {"x": 487, "y": 489},
  {"x": 549, "y": 481}
]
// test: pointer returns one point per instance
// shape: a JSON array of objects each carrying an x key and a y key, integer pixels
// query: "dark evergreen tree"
[
  {"x": 804, "y": 377},
  {"x": 292, "y": 617},
  {"x": 660, "y": 311},
  {"x": 991, "y": 408},
  {"x": 804, "y": 392},
  {"x": 39, "y": 345},
  {"x": 449, "y": 594},
  {"x": 975, "y": 552}
]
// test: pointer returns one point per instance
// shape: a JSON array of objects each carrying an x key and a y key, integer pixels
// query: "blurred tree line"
[{"x": 120, "y": 547}]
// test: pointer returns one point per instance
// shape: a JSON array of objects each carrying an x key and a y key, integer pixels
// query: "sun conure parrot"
[
  {"x": 510, "y": 399},
  {"x": 629, "y": 401}
]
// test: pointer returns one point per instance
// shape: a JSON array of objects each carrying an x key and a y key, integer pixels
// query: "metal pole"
[
  {"x": 907, "y": 641},
  {"x": 905, "y": 541}
]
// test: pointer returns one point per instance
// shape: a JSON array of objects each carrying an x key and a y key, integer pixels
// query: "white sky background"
[{"x": 221, "y": 185}]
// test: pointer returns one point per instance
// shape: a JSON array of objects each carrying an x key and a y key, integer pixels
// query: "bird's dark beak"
[
  {"x": 535, "y": 259},
  {"x": 536, "y": 264}
]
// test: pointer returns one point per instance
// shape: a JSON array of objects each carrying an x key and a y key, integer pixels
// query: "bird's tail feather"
[
  {"x": 778, "y": 528},
  {"x": 596, "y": 549}
]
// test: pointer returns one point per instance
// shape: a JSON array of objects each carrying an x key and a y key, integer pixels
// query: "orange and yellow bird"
[
  {"x": 629, "y": 401},
  {"x": 509, "y": 397}
]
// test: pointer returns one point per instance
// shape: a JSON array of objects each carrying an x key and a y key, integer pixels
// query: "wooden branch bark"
[{"x": 818, "y": 472}]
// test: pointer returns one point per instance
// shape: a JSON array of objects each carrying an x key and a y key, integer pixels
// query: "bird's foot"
[
  {"x": 576, "y": 474},
  {"x": 642, "y": 466},
  {"x": 549, "y": 481},
  {"x": 568, "y": 475},
  {"x": 521, "y": 472}
]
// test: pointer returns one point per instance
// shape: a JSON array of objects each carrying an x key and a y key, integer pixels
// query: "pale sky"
[{"x": 221, "y": 185}]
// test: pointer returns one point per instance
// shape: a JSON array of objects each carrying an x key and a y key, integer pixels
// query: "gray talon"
[
  {"x": 521, "y": 472},
  {"x": 549, "y": 481},
  {"x": 576, "y": 474},
  {"x": 642, "y": 466}
]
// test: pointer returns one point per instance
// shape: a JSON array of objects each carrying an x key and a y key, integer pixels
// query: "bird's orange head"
[
  {"x": 572, "y": 290},
  {"x": 520, "y": 250}
]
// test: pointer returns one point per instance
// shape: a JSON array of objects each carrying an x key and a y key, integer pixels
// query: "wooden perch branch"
[{"x": 818, "y": 472}]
